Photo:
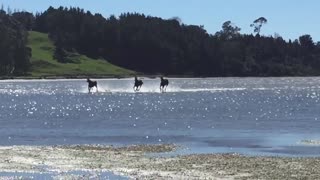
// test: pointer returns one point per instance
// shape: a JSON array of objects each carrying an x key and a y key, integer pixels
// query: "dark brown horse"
[
  {"x": 163, "y": 84},
  {"x": 92, "y": 84},
  {"x": 137, "y": 84}
]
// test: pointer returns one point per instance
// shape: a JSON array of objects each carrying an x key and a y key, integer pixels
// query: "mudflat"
[{"x": 142, "y": 161}]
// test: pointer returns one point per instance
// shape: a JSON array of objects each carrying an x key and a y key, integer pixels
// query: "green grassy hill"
[{"x": 43, "y": 64}]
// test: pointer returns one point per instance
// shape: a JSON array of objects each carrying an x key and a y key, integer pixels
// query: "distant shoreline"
[
  {"x": 130, "y": 76},
  {"x": 99, "y": 77}
]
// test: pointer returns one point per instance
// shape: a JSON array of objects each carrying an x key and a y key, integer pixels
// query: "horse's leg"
[
  {"x": 164, "y": 88},
  {"x": 89, "y": 89},
  {"x": 97, "y": 88}
]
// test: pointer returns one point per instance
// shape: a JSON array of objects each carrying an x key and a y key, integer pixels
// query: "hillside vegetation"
[
  {"x": 43, "y": 64},
  {"x": 75, "y": 42},
  {"x": 153, "y": 45},
  {"x": 14, "y": 55}
]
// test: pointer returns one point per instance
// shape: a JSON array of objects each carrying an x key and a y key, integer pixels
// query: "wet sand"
[{"x": 136, "y": 162}]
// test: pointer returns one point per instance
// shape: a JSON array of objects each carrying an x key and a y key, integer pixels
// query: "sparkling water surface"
[{"x": 253, "y": 116}]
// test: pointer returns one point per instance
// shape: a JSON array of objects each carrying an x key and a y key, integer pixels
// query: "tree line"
[
  {"x": 154, "y": 45},
  {"x": 14, "y": 55}
]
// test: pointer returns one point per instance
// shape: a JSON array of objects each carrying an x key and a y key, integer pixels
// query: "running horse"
[
  {"x": 137, "y": 84},
  {"x": 163, "y": 84},
  {"x": 92, "y": 84}
]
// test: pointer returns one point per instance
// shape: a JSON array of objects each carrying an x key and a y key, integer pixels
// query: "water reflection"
[{"x": 247, "y": 115}]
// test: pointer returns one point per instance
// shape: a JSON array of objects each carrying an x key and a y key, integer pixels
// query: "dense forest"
[
  {"x": 152, "y": 45},
  {"x": 14, "y": 55}
]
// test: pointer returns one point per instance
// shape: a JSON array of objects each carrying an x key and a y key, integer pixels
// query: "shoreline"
[
  {"x": 131, "y": 76},
  {"x": 135, "y": 162},
  {"x": 100, "y": 77}
]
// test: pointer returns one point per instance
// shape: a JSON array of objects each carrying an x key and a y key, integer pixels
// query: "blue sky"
[{"x": 288, "y": 18}]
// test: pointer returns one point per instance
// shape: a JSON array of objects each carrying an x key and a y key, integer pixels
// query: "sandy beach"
[{"x": 136, "y": 162}]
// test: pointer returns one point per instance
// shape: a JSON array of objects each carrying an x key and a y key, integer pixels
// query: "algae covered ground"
[
  {"x": 136, "y": 162},
  {"x": 44, "y": 65}
]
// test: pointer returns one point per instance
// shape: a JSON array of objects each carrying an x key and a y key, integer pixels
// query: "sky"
[{"x": 288, "y": 18}]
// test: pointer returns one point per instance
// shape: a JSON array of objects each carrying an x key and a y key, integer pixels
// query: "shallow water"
[
  {"x": 49, "y": 175},
  {"x": 253, "y": 116}
]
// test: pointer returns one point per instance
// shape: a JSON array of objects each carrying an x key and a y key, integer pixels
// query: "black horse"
[
  {"x": 137, "y": 84},
  {"x": 92, "y": 84},
  {"x": 163, "y": 85}
]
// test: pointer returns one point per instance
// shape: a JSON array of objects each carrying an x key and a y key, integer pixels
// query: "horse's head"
[
  {"x": 135, "y": 78},
  {"x": 161, "y": 78},
  {"x": 88, "y": 80}
]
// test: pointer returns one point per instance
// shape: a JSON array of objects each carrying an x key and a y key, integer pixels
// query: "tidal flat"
[{"x": 135, "y": 162}]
